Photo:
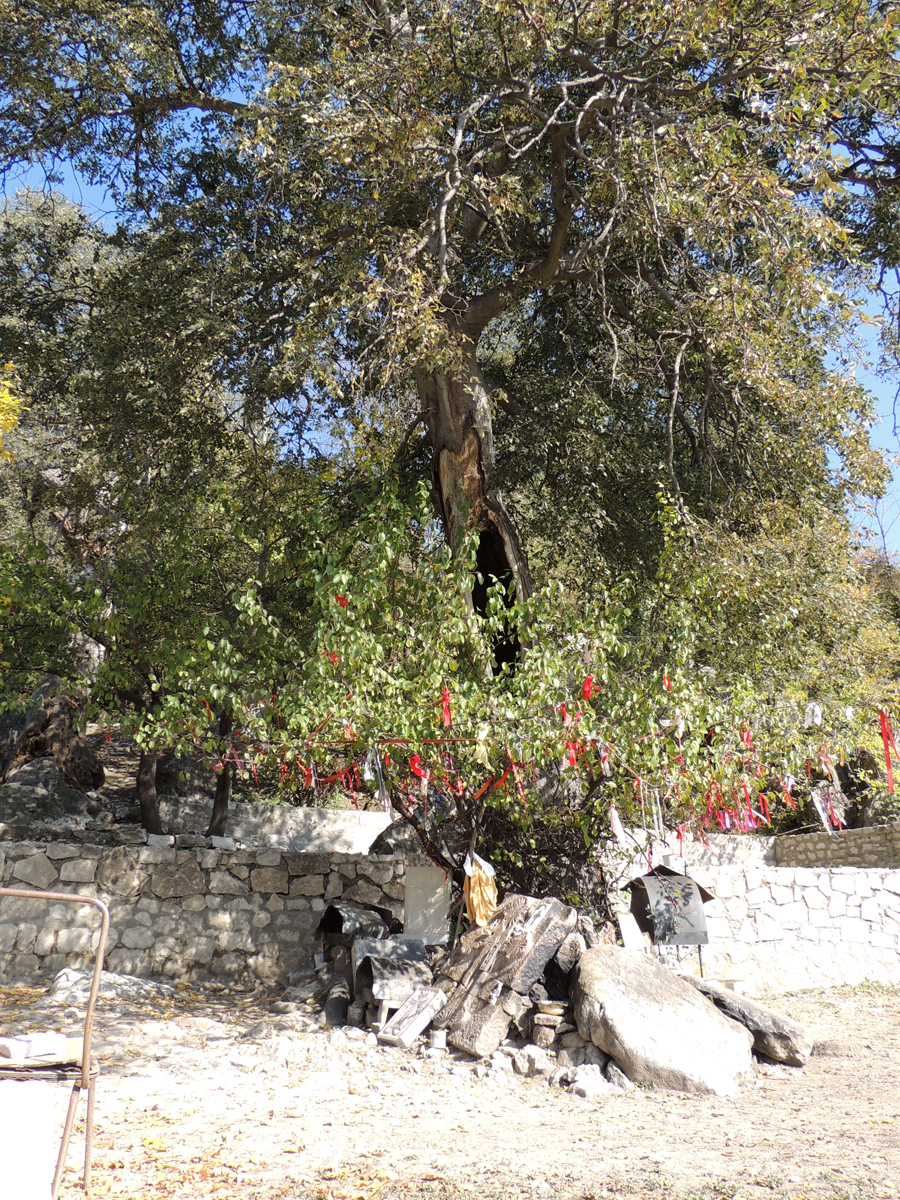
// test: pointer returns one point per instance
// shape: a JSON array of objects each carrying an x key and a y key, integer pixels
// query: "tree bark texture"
[
  {"x": 219, "y": 819},
  {"x": 49, "y": 731},
  {"x": 460, "y": 429},
  {"x": 146, "y": 788}
]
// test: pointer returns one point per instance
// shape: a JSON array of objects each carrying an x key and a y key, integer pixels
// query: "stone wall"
[
  {"x": 780, "y": 929},
  {"x": 180, "y": 909},
  {"x": 875, "y": 846}
]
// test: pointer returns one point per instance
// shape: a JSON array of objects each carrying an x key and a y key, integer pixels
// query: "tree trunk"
[
  {"x": 49, "y": 730},
  {"x": 460, "y": 429},
  {"x": 146, "y": 787},
  {"x": 222, "y": 799}
]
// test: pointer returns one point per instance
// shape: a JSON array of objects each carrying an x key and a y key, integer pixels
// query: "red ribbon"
[
  {"x": 415, "y": 765},
  {"x": 888, "y": 738},
  {"x": 515, "y": 772},
  {"x": 445, "y": 703},
  {"x": 667, "y": 682},
  {"x": 484, "y": 787},
  {"x": 342, "y": 600},
  {"x": 503, "y": 778},
  {"x": 588, "y": 690}
]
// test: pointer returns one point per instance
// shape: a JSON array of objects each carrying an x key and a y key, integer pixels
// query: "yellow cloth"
[{"x": 480, "y": 891}]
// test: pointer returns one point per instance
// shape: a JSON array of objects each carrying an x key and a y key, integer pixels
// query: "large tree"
[
  {"x": 672, "y": 205},
  {"x": 599, "y": 255}
]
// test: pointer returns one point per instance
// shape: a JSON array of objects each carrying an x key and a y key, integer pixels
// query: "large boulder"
[
  {"x": 658, "y": 1028},
  {"x": 775, "y": 1036}
]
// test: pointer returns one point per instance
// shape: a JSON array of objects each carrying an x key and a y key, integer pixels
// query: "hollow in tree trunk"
[{"x": 460, "y": 429}]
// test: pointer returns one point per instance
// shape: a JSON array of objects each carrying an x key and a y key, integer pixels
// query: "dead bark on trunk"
[
  {"x": 146, "y": 788},
  {"x": 460, "y": 429},
  {"x": 219, "y": 818}
]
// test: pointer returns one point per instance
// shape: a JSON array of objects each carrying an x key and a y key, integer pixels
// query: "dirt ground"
[{"x": 214, "y": 1094}]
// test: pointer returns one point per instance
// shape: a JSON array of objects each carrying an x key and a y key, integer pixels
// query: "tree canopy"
[{"x": 592, "y": 272}]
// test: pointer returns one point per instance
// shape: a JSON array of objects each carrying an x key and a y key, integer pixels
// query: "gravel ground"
[{"x": 206, "y": 1093}]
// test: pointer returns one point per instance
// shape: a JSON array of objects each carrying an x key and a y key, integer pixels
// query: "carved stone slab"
[{"x": 412, "y": 1017}]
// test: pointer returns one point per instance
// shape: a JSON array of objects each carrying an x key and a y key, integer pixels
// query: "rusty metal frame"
[{"x": 84, "y": 1075}]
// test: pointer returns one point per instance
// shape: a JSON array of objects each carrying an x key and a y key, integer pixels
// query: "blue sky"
[{"x": 883, "y": 520}]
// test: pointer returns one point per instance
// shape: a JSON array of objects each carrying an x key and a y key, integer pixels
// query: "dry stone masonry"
[
  {"x": 182, "y": 908},
  {"x": 775, "y": 928},
  {"x": 875, "y": 846}
]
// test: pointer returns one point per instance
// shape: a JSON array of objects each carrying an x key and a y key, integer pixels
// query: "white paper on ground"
[{"x": 31, "y": 1122}]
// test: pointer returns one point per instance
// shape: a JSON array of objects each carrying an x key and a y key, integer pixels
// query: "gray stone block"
[
  {"x": 377, "y": 872},
  {"x": 224, "y": 883},
  {"x": 14, "y": 909},
  {"x": 78, "y": 870},
  {"x": 156, "y": 855},
  {"x": 37, "y": 870},
  {"x": 269, "y": 879},
  {"x": 185, "y": 879},
  {"x": 73, "y": 941},
  {"x": 199, "y": 950},
  {"x": 119, "y": 874},
  {"x": 60, "y": 850},
  {"x": 137, "y": 937},
  {"x": 365, "y": 893},
  {"x": 228, "y": 966},
  {"x": 307, "y": 885},
  {"x": 308, "y": 864},
  {"x": 27, "y": 934},
  {"x": 8, "y": 934},
  {"x": 44, "y": 942},
  {"x": 130, "y": 962},
  {"x": 194, "y": 904},
  {"x": 222, "y": 843},
  {"x": 268, "y": 858},
  {"x": 233, "y": 940}
]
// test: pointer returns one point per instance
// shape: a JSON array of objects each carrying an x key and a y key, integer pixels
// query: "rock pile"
[{"x": 538, "y": 992}]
